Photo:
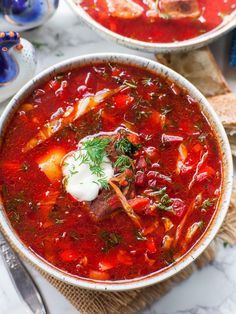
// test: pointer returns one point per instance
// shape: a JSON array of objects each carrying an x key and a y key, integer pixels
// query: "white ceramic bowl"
[
  {"x": 227, "y": 167},
  {"x": 228, "y": 24}
]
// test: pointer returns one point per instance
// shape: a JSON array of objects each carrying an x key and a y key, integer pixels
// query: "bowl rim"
[
  {"x": 227, "y": 166},
  {"x": 193, "y": 43}
]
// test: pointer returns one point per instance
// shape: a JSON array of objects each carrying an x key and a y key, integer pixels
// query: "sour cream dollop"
[{"x": 79, "y": 181}]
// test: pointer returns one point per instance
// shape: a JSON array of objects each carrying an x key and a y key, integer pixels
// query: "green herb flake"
[
  {"x": 111, "y": 239},
  {"x": 4, "y": 190},
  {"x": 123, "y": 162},
  {"x": 131, "y": 83},
  {"x": 39, "y": 45},
  {"x": 201, "y": 225},
  {"x": 126, "y": 147},
  {"x": 226, "y": 244},
  {"x": 25, "y": 166},
  {"x": 140, "y": 236},
  {"x": 165, "y": 203},
  {"x": 59, "y": 77},
  {"x": 59, "y": 221},
  {"x": 202, "y": 137},
  {"x": 166, "y": 110},
  {"x": 208, "y": 203},
  {"x": 74, "y": 235},
  {"x": 139, "y": 115}
]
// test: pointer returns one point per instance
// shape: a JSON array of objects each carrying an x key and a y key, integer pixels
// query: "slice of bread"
[
  {"x": 225, "y": 106},
  {"x": 200, "y": 68}
]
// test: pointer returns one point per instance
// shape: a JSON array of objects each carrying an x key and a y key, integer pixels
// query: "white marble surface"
[{"x": 209, "y": 291}]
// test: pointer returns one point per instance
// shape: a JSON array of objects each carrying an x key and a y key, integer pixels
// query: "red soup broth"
[
  {"x": 161, "y": 30},
  {"x": 170, "y": 174}
]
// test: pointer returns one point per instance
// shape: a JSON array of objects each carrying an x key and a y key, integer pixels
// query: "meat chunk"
[
  {"x": 124, "y": 9},
  {"x": 179, "y": 9},
  {"x": 104, "y": 205}
]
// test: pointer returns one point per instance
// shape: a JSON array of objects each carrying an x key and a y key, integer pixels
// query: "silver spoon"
[{"x": 21, "y": 279}]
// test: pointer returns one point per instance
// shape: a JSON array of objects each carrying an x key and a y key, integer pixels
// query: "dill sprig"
[
  {"x": 126, "y": 147},
  {"x": 123, "y": 162},
  {"x": 93, "y": 153}
]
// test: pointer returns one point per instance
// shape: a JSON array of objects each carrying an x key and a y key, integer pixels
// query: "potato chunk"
[
  {"x": 124, "y": 9},
  {"x": 50, "y": 162},
  {"x": 179, "y": 9}
]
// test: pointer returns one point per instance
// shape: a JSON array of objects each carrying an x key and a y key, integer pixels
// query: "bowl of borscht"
[
  {"x": 115, "y": 172},
  {"x": 158, "y": 25}
]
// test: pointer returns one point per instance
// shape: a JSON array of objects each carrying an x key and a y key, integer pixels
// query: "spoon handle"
[{"x": 21, "y": 279}]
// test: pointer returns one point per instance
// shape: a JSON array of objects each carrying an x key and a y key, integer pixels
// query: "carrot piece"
[
  {"x": 98, "y": 275},
  {"x": 139, "y": 204},
  {"x": 128, "y": 209},
  {"x": 133, "y": 138},
  {"x": 122, "y": 100},
  {"x": 151, "y": 246}
]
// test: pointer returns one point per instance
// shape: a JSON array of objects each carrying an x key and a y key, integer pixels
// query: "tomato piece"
[
  {"x": 197, "y": 148},
  {"x": 133, "y": 138},
  {"x": 161, "y": 178},
  {"x": 69, "y": 255},
  {"x": 139, "y": 204},
  {"x": 141, "y": 163},
  {"x": 140, "y": 179},
  {"x": 155, "y": 118},
  {"x": 122, "y": 100},
  {"x": 152, "y": 153},
  {"x": 151, "y": 246}
]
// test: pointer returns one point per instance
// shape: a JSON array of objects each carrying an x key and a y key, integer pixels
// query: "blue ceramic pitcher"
[
  {"x": 25, "y": 14},
  {"x": 17, "y": 63}
]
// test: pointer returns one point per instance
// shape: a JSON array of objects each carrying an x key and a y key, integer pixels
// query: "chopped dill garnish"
[
  {"x": 166, "y": 110},
  {"x": 165, "y": 203},
  {"x": 209, "y": 202},
  {"x": 131, "y": 83},
  {"x": 111, "y": 239},
  {"x": 123, "y": 162},
  {"x": 140, "y": 236},
  {"x": 126, "y": 147},
  {"x": 25, "y": 166},
  {"x": 142, "y": 114},
  {"x": 93, "y": 153}
]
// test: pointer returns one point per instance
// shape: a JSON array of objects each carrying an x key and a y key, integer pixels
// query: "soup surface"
[
  {"x": 162, "y": 21},
  {"x": 110, "y": 172}
]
